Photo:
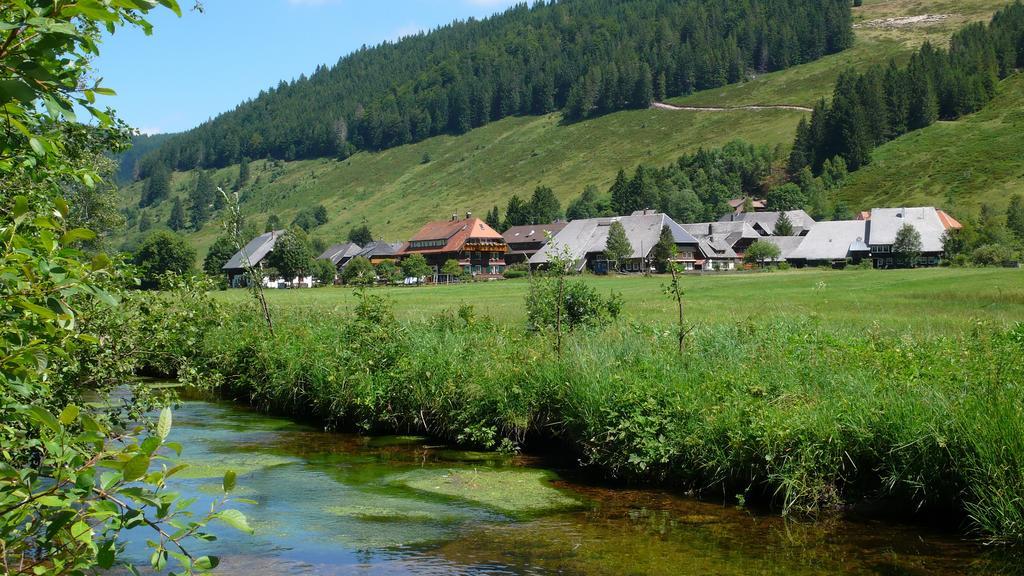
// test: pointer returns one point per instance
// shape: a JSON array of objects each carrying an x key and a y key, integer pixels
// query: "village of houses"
[{"x": 484, "y": 254}]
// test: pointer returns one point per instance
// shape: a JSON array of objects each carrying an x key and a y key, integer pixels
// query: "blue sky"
[{"x": 197, "y": 66}]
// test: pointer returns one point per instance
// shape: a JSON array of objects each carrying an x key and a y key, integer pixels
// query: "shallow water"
[{"x": 341, "y": 504}]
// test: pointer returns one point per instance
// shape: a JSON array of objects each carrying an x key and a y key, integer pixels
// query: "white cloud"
[
  {"x": 150, "y": 131},
  {"x": 406, "y": 30}
]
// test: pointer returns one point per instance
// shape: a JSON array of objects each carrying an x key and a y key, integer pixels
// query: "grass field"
[
  {"x": 921, "y": 301},
  {"x": 395, "y": 191}
]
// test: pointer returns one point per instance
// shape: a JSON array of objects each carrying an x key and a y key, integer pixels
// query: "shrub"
[
  {"x": 517, "y": 271},
  {"x": 991, "y": 255}
]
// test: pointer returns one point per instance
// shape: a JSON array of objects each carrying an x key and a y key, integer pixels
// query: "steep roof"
[
  {"x": 885, "y": 223},
  {"x": 590, "y": 236},
  {"x": 948, "y": 221},
  {"x": 802, "y": 221},
  {"x": 378, "y": 249},
  {"x": 729, "y": 232},
  {"x": 339, "y": 252},
  {"x": 454, "y": 233},
  {"x": 787, "y": 244},
  {"x": 531, "y": 233},
  {"x": 256, "y": 250},
  {"x": 832, "y": 240}
]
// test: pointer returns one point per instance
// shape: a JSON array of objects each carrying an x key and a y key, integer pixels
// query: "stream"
[{"x": 330, "y": 503}]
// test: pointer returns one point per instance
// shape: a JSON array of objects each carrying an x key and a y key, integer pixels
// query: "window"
[
  {"x": 419, "y": 244},
  {"x": 880, "y": 248}
]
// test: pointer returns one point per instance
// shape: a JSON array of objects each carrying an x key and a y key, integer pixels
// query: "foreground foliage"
[
  {"x": 781, "y": 412},
  {"x": 76, "y": 473}
]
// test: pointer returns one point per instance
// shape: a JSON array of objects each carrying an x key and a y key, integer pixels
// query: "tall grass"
[{"x": 781, "y": 412}]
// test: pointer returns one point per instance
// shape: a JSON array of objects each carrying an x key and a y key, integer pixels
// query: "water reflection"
[{"x": 344, "y": 504}]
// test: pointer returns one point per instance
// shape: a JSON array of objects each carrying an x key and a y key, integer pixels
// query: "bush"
[
  {"x": 324, "y": 272},
  {"x": 517, "y": 271},
  {"x": 991, "y": 255},
  {"x": 784, "y": 266},
  {"x": 582, "y": 305}
]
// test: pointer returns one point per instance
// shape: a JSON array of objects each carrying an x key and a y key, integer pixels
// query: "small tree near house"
[
  {"x": 451, "y": 269},
  {"x": 664, "y": 250},
  {"x": 618, "y": 248},
  {"x": 415, "y": 266},
  {"x": 761, "y": 252},
  {"x": 359, "y": 272},
  {"x": 292, "y": 255},
  {"x": 907, "y": 246}
]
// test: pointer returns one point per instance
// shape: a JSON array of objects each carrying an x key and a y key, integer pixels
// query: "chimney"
[{"x": 469, "y": 215}]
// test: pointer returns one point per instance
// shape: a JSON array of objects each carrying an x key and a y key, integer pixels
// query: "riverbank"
[{"x": 776, "y": 411}]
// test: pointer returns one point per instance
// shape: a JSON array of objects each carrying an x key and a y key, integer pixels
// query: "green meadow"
[{"x": 922, "y": 301}]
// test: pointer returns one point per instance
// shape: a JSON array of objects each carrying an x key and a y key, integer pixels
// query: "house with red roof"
[{"x": 479, "y": 249}]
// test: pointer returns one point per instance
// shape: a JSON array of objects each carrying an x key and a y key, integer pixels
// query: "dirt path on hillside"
[{"x": 663, "y": 106}]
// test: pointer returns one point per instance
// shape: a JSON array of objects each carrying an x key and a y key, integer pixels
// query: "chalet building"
[
  {"x": 871, "y": 237},
  {"x": 831, "y": 243},
  {"x": 479, "y": 249},
  {"x": 524, "y": 241},
  {"x": 764, "y": 222},
  {"x": 883, "y": 224},
  {"x": 737, "y": 236},
  {"x": 340, "y": 254},
  {"x": 586, "y": 240},
  {"x": 255, "y": 253}
]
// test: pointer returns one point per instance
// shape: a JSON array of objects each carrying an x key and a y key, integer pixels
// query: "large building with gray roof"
[{"x": 585, "y": 242}]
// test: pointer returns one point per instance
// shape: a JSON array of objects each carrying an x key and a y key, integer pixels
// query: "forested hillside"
[
  {"x": 394, "y": 190},
  {"x": 586, "y": 56}
]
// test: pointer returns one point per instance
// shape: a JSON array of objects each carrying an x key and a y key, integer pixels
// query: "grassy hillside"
[
  {"x": 955, "y": 165},
  {"x": 396, "y": 190}
]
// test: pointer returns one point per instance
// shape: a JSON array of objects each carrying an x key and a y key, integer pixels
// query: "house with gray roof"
[
  {"x": 832, "y": 242},
  {"x": 253, "y": 253},
  {"x": 524, "y": 241},
  {"x": 764, "y": 222},
  {"x": 340, "y": 254},
  {"x": 586, "y": 240},
  {"x": 884, "y": 224},
  {"x": 379, "y": 251},
  {"x": 722, "y": 244}
]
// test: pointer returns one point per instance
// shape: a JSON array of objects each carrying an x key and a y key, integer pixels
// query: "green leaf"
[
  {"x": 229, "y": 480},
  {"x": 76, "y": 235},
  {"x": 69, "y": 414},
  {"x": 13, "y": 89},
  {"x": 20, "y": 206},
  {"x": 206, "y": 562},
  {"x": 163, "y": 425},
  {"x": 235, "y": 519},
  {"x": 136, "y": 467},
  {"x": 37, "y": 146},
  {"x": 43, "y": 417}
]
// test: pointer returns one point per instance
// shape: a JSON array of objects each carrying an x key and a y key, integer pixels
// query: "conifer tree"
[
  {"x": 176, "y": 221},
  {"x": 493, "y": 219},
  {"x": 784, "y": 226},
  {"x": 517, "y": 212},
  {"x": 544, "y": 206},
  {"x": 664, "y": 250},
  {"x": 201, "y": 199},
  {"x": 619, "y": 193},
  {"x": 1015, "y": 216},
  {"x": 618, "y": 248},
  {"x": 243, "y": 174}
]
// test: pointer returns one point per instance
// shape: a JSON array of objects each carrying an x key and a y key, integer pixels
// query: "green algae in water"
[
  {"x": 472, "y": 456},
  {"x": 516, "y": 492},
  {"x": 217, "y": 465},
  {"x": 385, "y": 441}
]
